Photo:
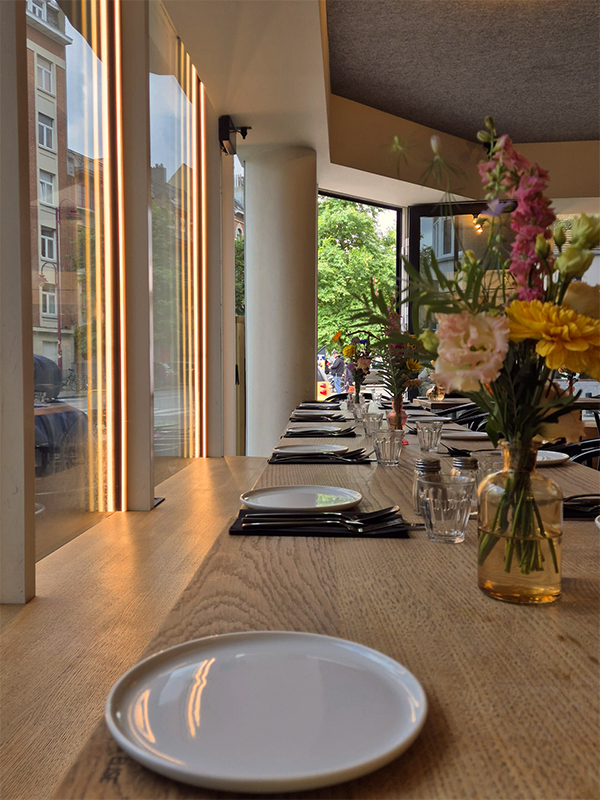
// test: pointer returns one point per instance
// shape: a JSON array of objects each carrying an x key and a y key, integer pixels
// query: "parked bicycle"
[{"x": 75, "y": 382}]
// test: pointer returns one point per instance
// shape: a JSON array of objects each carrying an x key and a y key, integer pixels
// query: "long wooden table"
[{"x": 513, "y": 690}]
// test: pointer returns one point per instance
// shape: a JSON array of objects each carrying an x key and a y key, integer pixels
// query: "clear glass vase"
[{"x": 520, "y": 530}]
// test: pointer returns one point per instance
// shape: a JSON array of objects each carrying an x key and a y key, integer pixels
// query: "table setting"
[{"x": 424, "y": 627}]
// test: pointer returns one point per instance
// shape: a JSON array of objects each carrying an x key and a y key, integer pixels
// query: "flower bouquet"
[
  {"x": 504, "y": 326},
  {"x": 359, "y": 354},
  {"x": 402, "y": 358}
]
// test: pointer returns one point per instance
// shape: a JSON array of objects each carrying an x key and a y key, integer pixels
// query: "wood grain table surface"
[{"x": 513, "y": 690}]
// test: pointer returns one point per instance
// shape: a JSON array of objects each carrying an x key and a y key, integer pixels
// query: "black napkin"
[
  {"x": 312, "y": 435},
  {"x": 316, "y": 417},
  {"x": 314, "y": 529},
  {"x": 318, "y": 458},
  {"x": 318, "y": 406},
  {"x": 581, "y": 506}
]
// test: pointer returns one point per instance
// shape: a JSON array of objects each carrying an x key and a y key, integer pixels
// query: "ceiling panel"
[{"x": 533, "y": 64}]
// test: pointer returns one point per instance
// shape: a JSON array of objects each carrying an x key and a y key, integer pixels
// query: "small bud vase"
[
  {"x": 397, "y": 416},
  {"x": 520, "y": 530}
]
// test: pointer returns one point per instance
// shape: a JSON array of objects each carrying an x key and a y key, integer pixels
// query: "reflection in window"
[
  {"x": 44, "y": 74},
  {"x": 37, "y": 8},
  {"x": 48, "y": 244},
  {"x": 46, "y": 187},
  {"x": 49, "y": 300},
  {"x": 45, "y": 131},
  {"x": 72, "y": 265},
  {"x": 174, "y": 143}
]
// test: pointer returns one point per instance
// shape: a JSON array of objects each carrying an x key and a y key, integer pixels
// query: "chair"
[
  {"x": 452, "y": 412},
  {"x": 587, "y": 457}
]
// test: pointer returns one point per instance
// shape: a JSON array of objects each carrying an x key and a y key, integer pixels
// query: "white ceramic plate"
[
  {"x": 546, "y": 458},
  {"x": 266, "y": 712},
  {"x": 598, "y": 521},
  {"x": 310, "y": 448},
  {"x": 305, "y": 412},
  {"x": 301, "y": 498},
  {"x": 466, "y": 434}
]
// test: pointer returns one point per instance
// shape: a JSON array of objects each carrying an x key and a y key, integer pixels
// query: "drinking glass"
[
  {"x": 429, "y": 434},
  {"x": 488, "y": 463},
  {"x": 358, "y": 411},
  {"x": 388, "y": 447},
  {"x": 372, "y": 422},
  {"x": 445, "y": 505}
]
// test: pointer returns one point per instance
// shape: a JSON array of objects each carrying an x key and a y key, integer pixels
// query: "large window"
[
  {"x": 73, "y": 271},
  {"x": 176, "y": 246},
  {"x": 358, "y": 245}
]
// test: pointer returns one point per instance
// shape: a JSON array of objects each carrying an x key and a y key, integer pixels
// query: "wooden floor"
[{"x": 100, "y": 600}]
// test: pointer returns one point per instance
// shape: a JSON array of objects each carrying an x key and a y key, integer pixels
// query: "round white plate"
[
  {"x": 466, "y": 434},
  {"x": 545, "y": 458},
  {"x": 598, "y": 520},
  {"x": 316, "y": 429},
  {"x": 301, "y": 498},
  {"x": 266, "y": 712},
  {"x": 305, "y": 412},
  {"x": 310, "y": 448}
]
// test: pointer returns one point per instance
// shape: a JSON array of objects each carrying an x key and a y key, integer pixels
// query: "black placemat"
[
  {"x": 316, "y": 417},
  {"x": 331, "y": 531},
  {"x": 313, "y": 435},
  {"x": 318, "y": 459}
]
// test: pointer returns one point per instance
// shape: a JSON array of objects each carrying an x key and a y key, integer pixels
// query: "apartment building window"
[
  {"x": 48, "y": 244},
  {"x": 44, "y": 74},
  {"x": 37, "y": 8},
  {"x": 46, "y": 187},
  {"x": 45, "y": 131},
  {"x": 49, "y": 300},
  {"x": 447, "y": 243}
]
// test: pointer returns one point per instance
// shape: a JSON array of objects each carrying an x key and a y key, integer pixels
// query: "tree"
[
  {"x": 353, "y": 253},
  {"x": 240, "y": 299}
]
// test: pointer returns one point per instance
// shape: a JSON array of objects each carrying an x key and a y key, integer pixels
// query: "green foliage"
[
  {"x": 240, "y": 291},
  {"x": 353, "y": 254}
]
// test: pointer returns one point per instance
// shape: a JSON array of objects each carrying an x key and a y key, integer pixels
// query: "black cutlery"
[
  {"x": 360, "y": 518},
  {"x": 360, "y": 529}
]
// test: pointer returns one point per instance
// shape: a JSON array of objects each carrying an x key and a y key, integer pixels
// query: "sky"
[{"x": 165, "y": 99}]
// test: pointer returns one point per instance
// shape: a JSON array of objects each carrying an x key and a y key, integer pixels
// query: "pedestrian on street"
[{"x": 337, "y": 370}]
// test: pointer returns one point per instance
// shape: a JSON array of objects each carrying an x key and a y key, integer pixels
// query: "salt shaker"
[
  {"x": 428, "y": 468},
  {"x": 466, "y": 466}
]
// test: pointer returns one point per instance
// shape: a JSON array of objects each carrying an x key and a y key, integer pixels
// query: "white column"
[
  {"x": 17, "y": 477},
  {"x": 281, "y": 290}
]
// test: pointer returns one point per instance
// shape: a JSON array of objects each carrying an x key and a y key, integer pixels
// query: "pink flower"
[
  {"x": 471, "y": 350},
  {"x": 524, "y": 182},
  {"x": 363, "y": 363}
]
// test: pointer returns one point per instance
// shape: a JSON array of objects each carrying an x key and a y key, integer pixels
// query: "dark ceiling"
[{"x": 534, "y": 65}]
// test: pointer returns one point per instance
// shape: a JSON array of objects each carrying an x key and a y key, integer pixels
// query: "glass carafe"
[{"x": 520, "y": 530}]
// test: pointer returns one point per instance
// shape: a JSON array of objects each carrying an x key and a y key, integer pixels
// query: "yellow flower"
[
  {"x": 412, "y": 365},
  {"x": 349, "y": 351},
  {"x": 564, "y": 337}
]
